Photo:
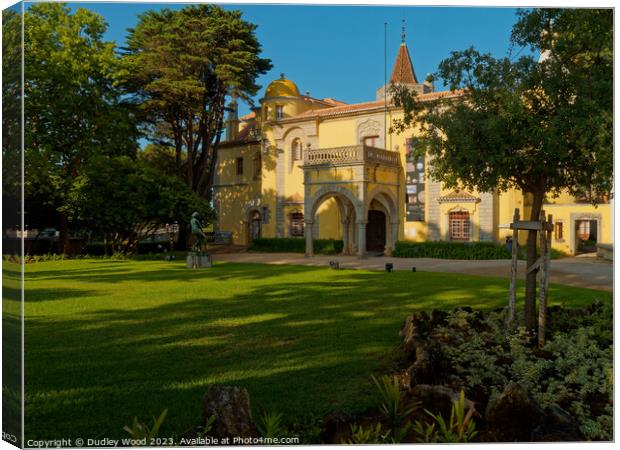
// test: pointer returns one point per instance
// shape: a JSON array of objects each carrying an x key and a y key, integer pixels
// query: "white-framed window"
[{"x": 279, "y": 112}]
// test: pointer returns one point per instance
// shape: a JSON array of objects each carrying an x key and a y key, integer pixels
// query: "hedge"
[
  {"x": 96, "y": 248},
  {"x": 295, "y": 245},
  {"x": 451, "y": 250}
]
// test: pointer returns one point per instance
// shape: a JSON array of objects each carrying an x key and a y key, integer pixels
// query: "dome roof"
[{"x": 282, "y": 88}]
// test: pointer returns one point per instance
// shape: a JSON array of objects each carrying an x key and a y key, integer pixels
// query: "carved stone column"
[
  {"x": 309, "y": 241},
  {"x": 393, "y": 238},
  {"x": 361, "y": 239},
  {"x": 345, "y": 236}
]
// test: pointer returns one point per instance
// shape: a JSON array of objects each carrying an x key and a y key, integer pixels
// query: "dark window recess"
[
  {"x": 239, "y": 166},
  {"x": 559, "y": 231},
  {"x": 297, "y": 224}
]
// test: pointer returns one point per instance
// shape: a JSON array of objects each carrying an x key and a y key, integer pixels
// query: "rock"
[
  {"x": 559, "y": 426},
  {"x": 429, "y": 362},
  {"x": 438, "y": 399},
  {"x": 231, "y": 405},
  {"x": 438, "y": 317},
  {"x": 337, "y": 428},
  {"x": 513, "y": 415}
]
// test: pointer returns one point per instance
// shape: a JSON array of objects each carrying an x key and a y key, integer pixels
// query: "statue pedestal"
[{"x": 196, "y": 260}]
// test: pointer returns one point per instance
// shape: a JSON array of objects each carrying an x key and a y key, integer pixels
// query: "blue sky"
[{"x": 338, "y": 51}]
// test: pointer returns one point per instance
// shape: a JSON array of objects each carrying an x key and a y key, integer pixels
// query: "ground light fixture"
[
  {"x": 413, "y": 269},
  {"x": 389, "y": 267}
]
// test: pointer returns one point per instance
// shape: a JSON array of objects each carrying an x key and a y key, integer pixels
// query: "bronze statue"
[{"x": 199, "y": 236}]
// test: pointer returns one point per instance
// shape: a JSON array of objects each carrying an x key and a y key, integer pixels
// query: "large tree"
[
  {"x": 180, "y": 66},
  {"x": 541, "y": 125},
  {"x": 125, "y": 200},
  {"x": 73, "y": 111}
]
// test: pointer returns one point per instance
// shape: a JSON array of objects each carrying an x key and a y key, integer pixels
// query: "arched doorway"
[
  {"x": 348, "y": 211},
  {"x": 376, "y": 231},
  {"x": 254, "y": 226}
]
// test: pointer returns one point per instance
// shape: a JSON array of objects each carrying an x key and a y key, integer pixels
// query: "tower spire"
[{"x": 403, "y": 72}]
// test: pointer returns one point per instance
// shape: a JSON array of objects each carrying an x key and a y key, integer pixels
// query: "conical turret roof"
[{"x": 403, "y": 72}]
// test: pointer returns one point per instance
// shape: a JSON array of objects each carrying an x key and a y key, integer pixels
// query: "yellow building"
[{"x": 299, "y": 166}]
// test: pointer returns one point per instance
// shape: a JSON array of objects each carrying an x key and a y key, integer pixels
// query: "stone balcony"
[{"x": 350, "y": 155}]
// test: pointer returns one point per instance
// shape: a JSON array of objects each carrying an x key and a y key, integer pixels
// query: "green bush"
[
  {"x": 295, "y": 245},
  {"x": 451, "y": 250},
  {"x": 574, "y": 370}
]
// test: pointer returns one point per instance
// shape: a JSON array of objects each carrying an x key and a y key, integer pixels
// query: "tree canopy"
[
  {"x": 73, "y": 111},
  {"x": 541, "y": 126},
  {"x": 179, "y": 67},
  {"x": 125, "y": 200}
]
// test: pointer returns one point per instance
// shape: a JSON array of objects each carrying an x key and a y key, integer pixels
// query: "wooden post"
[
  {"x": 513, "y": 270},
  {"x": 545, "y": 250}
]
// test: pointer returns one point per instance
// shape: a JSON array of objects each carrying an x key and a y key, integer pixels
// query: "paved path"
[{"x": 588, "y": 272}]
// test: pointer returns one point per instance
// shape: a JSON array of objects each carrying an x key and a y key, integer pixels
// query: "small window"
[
  {"x": 279, "y": 112},
  {"x": 459, "y": 226},
  {"x": 370, "y": 141},
  {"x": 559, "y": 231},
  {"x": 239, "y": 166},
  {"x": 296, "y": 150},
  {"x": 297, "y": 224}
]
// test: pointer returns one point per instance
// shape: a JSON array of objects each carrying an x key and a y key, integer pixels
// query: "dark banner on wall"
[{"x": 414, "y": 183}]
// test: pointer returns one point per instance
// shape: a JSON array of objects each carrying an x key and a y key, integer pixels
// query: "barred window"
[
  {"x": 297, "y": 224},
  {"x": 459, "y": 226}
]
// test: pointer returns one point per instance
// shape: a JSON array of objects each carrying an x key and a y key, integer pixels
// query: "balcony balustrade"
[{"x": 350, "y": 155}]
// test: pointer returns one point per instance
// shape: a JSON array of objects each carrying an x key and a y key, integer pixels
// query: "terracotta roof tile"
[
  {"x": 403, "y": 68},
  {"x": 247, "y": 117},
  {"x": 333, "y": 101},
  {"x": 346, "y": 109}
]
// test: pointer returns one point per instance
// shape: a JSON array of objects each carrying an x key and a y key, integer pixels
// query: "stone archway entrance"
[
  {"x": 349, "y": 210},
  {"x": 364, "y": 181}
]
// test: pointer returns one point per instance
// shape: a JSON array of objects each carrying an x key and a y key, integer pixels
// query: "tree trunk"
[
  {"x": 530, "y": 278},
  {"x": 63, "y": 234},
  {"x": 183, "y": 237}
]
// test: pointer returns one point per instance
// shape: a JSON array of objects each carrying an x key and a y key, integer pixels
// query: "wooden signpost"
[{"x": 545, "y": 227}]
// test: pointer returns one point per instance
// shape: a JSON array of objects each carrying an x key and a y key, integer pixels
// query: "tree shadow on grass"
[
  {"x": 153, "y": 271},
  {"x": 302, "y": 345}
]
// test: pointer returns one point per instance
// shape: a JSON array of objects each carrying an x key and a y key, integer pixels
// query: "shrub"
[
  {"x": 371, "y": 435},
  {"x": 269, "y": 425},
  {"x": 451, "y": 250},
  {"x": 573, "y": 370},
  {"x": 295, "y": 245},
  {"x": 392, "y": 406},
  {"x": 460, "y": 428},
  {"x": 142, "y": 432}
]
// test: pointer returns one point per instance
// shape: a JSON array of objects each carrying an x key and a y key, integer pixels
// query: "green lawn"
[{"x": 107, "y": 340}]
